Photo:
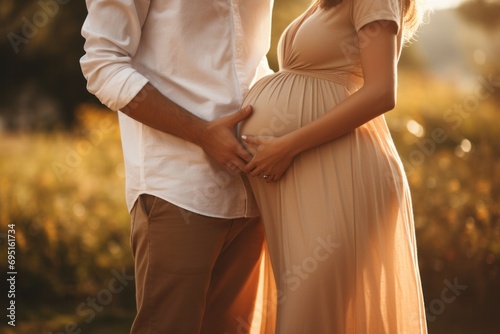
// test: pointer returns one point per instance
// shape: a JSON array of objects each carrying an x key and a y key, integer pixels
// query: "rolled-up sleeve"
[{"x": 112, "y": 32}]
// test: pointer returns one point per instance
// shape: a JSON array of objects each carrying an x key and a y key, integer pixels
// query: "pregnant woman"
[{"x": 327, "y": 177}]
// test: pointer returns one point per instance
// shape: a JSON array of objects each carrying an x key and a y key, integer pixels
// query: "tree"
[
  {"x": 484, "y": 13},
  {"x": 39, "y": 53}
]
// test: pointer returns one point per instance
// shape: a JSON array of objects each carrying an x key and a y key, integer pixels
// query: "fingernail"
[{"x": 243, "y": 137}]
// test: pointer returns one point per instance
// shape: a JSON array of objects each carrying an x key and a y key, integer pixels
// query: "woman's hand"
[{"x": 271, "y": 156}]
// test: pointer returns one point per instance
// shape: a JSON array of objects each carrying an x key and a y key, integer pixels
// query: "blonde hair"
[{"x": 413, "y": 14}]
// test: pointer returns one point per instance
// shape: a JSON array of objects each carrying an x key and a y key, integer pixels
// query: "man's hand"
[
  {"x": 219, "y": 141},
  {"x": 217, "y": 138}
]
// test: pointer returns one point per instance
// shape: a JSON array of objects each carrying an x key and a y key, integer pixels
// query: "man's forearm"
[
  {"x": 216, "y": 138},
  {"x": 153, "y": 109}
]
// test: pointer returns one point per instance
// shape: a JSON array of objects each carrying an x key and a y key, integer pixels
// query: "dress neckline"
[
  {"x": 287, "y": 38},
  {"x": 301, "y": 19}
]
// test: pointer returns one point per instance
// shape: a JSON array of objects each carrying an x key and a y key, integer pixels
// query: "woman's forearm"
[
  {"x": 356, "y": 110},
  {"x": 379, "y": 64},
  {"x": 378, "y": 95}
]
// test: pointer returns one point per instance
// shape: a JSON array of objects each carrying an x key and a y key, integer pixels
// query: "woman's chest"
[{"x": 325, "y": 39}]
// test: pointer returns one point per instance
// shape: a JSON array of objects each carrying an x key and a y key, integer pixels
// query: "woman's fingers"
[
  {"x": 251, "y": 143},
  {"x": 261, "y": 165},
  {"x": 254, "y": 170}
]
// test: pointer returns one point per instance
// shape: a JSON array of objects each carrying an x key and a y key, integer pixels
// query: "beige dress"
[{"x": 339, "y": 224}]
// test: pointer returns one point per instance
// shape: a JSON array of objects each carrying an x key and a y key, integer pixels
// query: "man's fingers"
[
  {"x": 240, "y": 115},
  {"x": 252, "y": 150},
  {"x": 236, "y": 166},
  {"x": 244, "y": 153},
  {"x": 252, "y": 169},
  {"x": 232, "y": 168}
]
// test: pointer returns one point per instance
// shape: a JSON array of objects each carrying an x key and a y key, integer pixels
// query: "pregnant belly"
[{"x": 285, "y": 101}]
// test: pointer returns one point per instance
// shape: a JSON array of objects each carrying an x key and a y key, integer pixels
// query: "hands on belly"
[{"x": 271, "y": 157}]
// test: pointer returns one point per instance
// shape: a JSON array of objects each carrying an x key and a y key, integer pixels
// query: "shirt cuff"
[{"x": 121, "y": 88}]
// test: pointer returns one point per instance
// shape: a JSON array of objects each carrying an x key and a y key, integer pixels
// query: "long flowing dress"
[{"x": 339, "y": 224}]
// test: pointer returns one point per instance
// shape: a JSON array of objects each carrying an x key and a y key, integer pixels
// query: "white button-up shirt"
[{"x": 201, "y": 54}]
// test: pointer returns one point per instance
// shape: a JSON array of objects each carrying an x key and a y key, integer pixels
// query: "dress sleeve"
[
  {"x": 366, "y": 11},
  {"x": 112, "y": 31}
]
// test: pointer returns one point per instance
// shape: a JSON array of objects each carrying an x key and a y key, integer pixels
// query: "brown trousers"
[{"x": 194, "y": 274}]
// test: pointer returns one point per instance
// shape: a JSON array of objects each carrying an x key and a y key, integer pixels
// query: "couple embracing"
[{"x": 261, "y": 202}]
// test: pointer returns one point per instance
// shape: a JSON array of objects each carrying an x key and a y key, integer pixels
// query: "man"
[{"x": 177, "y": 70}]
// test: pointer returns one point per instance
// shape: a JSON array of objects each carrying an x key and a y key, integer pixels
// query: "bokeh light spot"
[{"x": 415, "y": 128}]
